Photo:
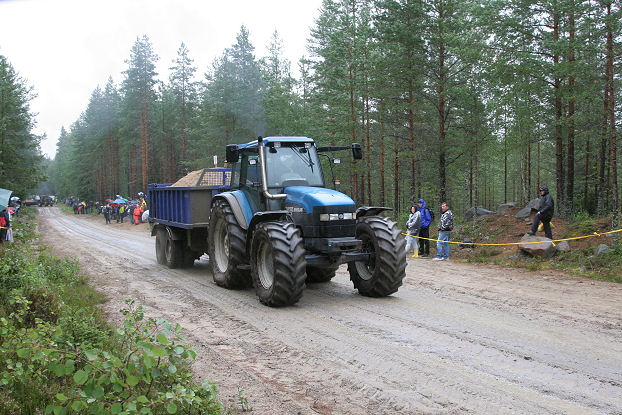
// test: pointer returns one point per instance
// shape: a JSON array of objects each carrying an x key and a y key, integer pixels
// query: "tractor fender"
[
  {"x": 370, "y": 210},
  {"x": 239, "y": 205},
  {"x": 259, "y": 217}
]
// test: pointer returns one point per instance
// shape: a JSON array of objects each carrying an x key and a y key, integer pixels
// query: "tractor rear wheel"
[
  {"x": 382, "y": 273},
  {"x": 315, "y": 274},
  {"x": 227, "y": 247},
  {"x": 278, "y": 263}
]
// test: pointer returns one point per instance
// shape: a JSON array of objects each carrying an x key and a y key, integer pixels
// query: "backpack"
[{"x": 431, "y": 215}]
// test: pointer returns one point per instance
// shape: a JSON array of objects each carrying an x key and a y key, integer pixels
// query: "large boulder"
[
  {"x": 537, "y": 246},
  {"x": 523, "y": 213},
  {"x": 502, "y": 209},
  {"x": 534, "y": 204},
  {"x": 477, "y": 212}
]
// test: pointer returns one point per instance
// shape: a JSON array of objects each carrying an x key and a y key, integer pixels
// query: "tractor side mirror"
[
  {"x": 357, "y": 152},
  {"x": 232, "y": 153}
]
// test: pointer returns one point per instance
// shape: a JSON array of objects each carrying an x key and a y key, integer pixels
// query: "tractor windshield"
[{"x": 293, "y": 164}]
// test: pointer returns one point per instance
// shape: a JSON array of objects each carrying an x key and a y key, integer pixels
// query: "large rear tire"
[
  {"x": 278, "y": 263},
  {"x": 227, "y": 248},
  {"x": 383, "y": 272},
  {"x": 318, "y": 275}
]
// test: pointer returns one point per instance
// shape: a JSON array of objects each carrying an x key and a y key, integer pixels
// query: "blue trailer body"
[{"x": 185, "y": 207}]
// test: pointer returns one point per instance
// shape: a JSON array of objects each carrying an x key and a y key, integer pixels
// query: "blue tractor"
[{"x": 279, "y": 226}]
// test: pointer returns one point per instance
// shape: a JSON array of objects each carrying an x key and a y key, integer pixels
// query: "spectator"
[
  {"x": 412, "y": 226},
  {"x": 545, "y": 213},
  {"x": 424, "y": 229},
  {"x": 445, "y": 226}
]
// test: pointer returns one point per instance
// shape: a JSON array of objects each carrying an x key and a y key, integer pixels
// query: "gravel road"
[{"x": 456, "y": 338}]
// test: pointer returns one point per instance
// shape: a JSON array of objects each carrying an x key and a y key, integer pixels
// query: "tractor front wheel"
[
  {"x": 278, "y": 263},
  {"x": 382, "y": 273}
]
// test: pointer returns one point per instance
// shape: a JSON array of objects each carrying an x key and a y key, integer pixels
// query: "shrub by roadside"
[{"x": 57, "y": 356}]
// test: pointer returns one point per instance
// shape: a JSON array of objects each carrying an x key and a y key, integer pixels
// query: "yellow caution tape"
[{"x": 518, "y": 243}]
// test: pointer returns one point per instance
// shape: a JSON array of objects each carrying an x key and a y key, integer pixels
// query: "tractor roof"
[{"x": 267, "y": 140}]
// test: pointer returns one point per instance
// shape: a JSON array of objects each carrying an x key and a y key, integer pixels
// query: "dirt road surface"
[{"x": 456, "y": 338}]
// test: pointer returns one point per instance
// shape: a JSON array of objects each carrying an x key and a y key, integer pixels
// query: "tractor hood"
[{"x": 310, "y": 197}]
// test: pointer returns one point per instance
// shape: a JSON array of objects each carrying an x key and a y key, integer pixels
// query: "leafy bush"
[
  {"x": 147, "y": 374},
  {"x": 80, "y": 327},
  {"x": 58, "y": 356}
]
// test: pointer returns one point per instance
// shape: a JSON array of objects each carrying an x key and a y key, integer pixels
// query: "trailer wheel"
[
  {"x": 315, "y": 274},
  {"x": 160, "y": 245},
  {"x": 383, "y": 272},
  {"x": 173, "y": 251},
  {"x": 227, "y": 248},
  {"x": 278, "y": 263}
]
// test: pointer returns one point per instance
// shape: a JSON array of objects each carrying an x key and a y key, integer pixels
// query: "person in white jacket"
[{"x": 412, "y": 225}]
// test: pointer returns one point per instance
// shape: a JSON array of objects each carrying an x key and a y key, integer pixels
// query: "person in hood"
[
  {"x": 544, "y": 214},
  {"x": 424, "y": 229},
  {"x": 412, "y": 225}
]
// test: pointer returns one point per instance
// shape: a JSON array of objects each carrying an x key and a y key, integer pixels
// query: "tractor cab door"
[{"x": 250, "y": 179}]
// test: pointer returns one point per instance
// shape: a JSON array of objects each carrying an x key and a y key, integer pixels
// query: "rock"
[
  {"x": 502, "y": 209},
  {"x": 523, "y": 213},
  {"x": 481, "y": 212},
  {"x": 543, "y": 248},
  {"x": 601, "y": 249},
  {"x": 563, "y": 246},
  {"x": 534, "y": 204},
  {"x": 467, "y": 243}
]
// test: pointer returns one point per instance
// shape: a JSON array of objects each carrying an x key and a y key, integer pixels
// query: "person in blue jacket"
[{"x": 424, "y": 229}]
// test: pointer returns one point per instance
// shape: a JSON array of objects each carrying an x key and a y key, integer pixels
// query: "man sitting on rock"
[{"x": 545, "y": 213}]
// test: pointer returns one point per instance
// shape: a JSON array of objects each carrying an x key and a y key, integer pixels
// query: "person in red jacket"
[{"x": 137, "y": 213}]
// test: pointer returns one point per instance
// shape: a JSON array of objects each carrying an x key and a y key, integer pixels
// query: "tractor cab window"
[{"x": 293, "y": 165}]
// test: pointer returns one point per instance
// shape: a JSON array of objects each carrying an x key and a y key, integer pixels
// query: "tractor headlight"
[{"x": 326, "y": 217}]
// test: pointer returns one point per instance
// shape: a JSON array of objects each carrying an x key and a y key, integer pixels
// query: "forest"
[{"x": 477, "y": 102}]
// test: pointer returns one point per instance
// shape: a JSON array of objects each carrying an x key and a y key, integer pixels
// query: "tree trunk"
[
  {"x": 571, "y": 123},
  {"x": 441, "y": 114},
  {"x": 603, "y": 153},
  {"x": 396, "y": 177},
  {"x": 411, "y": 131},
  {"x": 382, "y": 190},
  {"x": 559, "y": 147},
  {"x": 368, "y": 139},
  {"x": 133, "y": 173},
  {"x": 612, "y": 121},
  {"x": 587, "y": 174}
]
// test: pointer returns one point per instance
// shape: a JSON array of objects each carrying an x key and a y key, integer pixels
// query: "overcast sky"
[{"x": 64, "y": 49}]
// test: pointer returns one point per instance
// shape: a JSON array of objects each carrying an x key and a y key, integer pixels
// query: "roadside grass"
[
  {"x": 580, "y": 261},
  {"x": 58, "y": 355}
]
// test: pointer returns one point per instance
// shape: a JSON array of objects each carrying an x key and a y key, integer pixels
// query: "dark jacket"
[
  {"x": 546, "y": 207},
  {"x": 426, "y": 218},
  {"x": 446, "y": 223}
]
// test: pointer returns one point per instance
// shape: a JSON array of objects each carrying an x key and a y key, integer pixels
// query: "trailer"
[{"x": 179, "y": 216}]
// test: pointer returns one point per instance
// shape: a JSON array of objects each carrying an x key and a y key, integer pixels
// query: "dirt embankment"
[{"x": 456, "y": 338}]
